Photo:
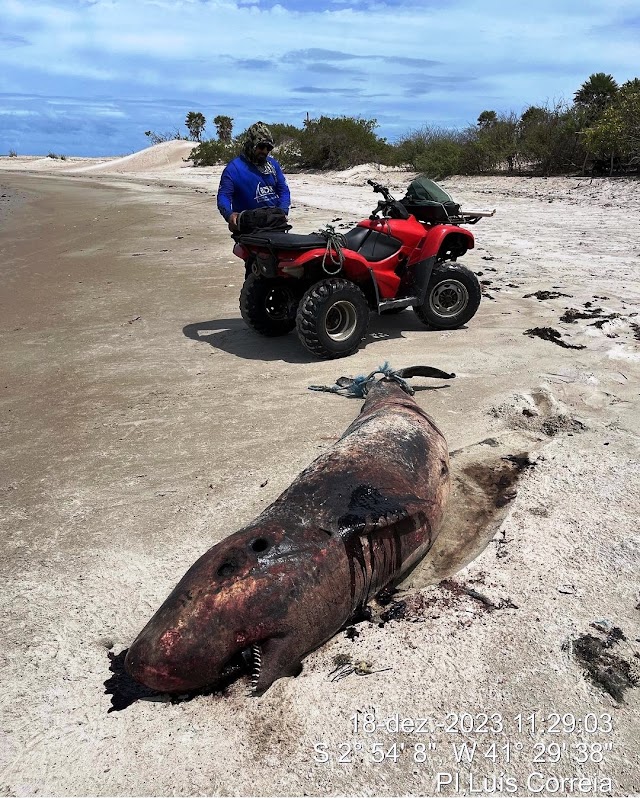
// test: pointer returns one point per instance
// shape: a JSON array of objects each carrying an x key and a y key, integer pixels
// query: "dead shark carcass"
[{"x": 353, "y": 522}]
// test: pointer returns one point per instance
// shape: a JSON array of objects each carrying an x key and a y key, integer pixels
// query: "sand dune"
[{"x": 168, "y": 154}]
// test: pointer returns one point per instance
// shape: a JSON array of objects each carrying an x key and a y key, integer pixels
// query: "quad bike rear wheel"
[
  {"x": 333, "y": 317},
  {"x": 452, "y": 299},
  {"x": 268, "y": 306}
]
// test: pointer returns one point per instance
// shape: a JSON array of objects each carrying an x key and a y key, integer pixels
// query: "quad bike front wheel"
[
  {"x": 452, "y": 299},
  {"x": 268, "y": 306},
  {"x": 333, "y": 317}
]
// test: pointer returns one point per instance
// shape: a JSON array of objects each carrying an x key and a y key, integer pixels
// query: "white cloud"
[
  {"x": 84, "y": 106},
  {"x": 17, "y": 112}
]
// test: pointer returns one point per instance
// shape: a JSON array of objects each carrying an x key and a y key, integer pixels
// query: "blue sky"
[{"x": 88, "y": 77}]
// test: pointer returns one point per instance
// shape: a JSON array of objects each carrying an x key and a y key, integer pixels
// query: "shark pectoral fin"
[
  {"x": 371, "y": 511},
  {"x": 278, "y": 658},
  {"x": 424, "y": 371}
]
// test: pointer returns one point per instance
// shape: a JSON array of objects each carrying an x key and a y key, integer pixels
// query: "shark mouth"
[{"x": 124, "y": 690}]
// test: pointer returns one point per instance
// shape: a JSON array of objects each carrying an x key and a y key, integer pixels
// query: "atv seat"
[{"x": 281, "y": 240}]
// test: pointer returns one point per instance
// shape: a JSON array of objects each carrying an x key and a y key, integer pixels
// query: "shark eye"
[
  {"x": 227, "y": 568},
  {"x": 260, "y": 544}
]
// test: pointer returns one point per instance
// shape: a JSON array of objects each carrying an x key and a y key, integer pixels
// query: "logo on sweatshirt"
[{"x": 265, "y": 194}]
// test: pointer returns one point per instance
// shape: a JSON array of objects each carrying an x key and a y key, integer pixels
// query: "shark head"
[{"x": 247, "y": 601}]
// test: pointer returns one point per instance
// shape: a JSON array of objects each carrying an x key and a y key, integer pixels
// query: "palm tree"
[
  {"x": 195, "y": 122},
  {"x": 596, "y": 93},
  {"x": 487, "y": 119},
  {"x": 632, "y": 85},
  {"x": 224, "y": 128}
]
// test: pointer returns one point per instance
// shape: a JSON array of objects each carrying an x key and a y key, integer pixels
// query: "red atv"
[{"x": 326, "y": 283}]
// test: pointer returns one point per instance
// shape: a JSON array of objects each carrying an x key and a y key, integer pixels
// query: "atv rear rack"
[{"x": 470, "y": 217}]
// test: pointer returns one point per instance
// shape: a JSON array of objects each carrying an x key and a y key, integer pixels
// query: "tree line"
[{"x": 597, "y": 133}]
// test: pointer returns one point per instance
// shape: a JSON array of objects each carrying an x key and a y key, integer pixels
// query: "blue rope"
[{"x": 359, "y": 386}]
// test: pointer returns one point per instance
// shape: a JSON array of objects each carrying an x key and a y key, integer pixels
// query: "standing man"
[{"x": 254, "y": 179}]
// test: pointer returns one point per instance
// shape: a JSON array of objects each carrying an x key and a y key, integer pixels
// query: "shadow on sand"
[{"x": 233, "y": 336}]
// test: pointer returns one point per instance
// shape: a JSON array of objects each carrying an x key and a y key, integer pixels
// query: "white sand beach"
[{"x": 142, "y": 422}]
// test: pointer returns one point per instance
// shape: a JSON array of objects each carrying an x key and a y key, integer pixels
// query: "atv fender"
[
  {"x": 421, "y": 275},
  {"x": 446, "y": 238}
]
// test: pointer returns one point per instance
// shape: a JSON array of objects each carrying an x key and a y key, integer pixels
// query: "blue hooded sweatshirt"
[{"x": 243, "y": 187}]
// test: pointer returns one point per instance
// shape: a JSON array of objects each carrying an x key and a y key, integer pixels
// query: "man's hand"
[{"x": 233, "y": 222}]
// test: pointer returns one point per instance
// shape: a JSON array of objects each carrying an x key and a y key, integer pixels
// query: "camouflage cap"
[{"x": 258, "y": 133}]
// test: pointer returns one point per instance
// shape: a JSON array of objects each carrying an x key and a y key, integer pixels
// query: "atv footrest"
[
  {"x": 278, "y": 240},
  {"x": 390, "y": 304}
]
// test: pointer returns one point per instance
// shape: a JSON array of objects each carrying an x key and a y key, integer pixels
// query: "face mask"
[{"x": 258, "y": 133}]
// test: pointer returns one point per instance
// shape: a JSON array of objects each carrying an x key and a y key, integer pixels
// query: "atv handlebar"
[
  {"x": 388, "y": 206},
  {"x": 381, "y": 190}
]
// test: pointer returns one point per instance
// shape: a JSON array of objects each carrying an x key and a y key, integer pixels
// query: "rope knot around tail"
[{"x": 359, "y": 386}]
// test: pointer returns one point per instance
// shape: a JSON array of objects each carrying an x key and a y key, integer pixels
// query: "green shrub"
[
  {"x": 340, "y": 142},
  {"x": 440, "y": 161},
  {"x": 288, "y": 155},
  {"x": 212, "y": 152},
  {"x": 434, "y": 151},
  {"x": 499, "y": 143},
  {"x": 473, "y": 156},
  {"x": 615, "y": 138},
  {"x": 283, "y": 133},
  {"x": 547, "y": 140},
  {"x": 53, "y": 155}
]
